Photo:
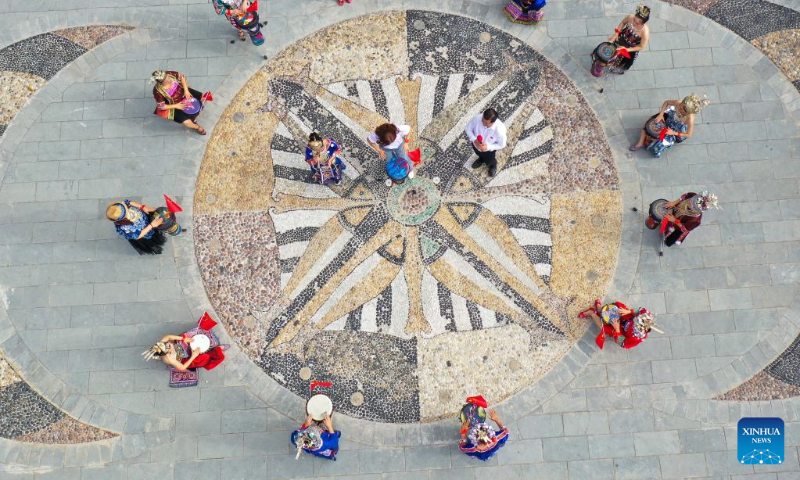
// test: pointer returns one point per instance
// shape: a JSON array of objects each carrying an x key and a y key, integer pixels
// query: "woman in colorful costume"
[
  {"x": 677, "y": 118},
  {"x": 173, "y": 96},
  {"x": 478, "y": 438},
  {"x": 317, "y": 438},
  {"x": 631, "y": 36},
  {"x": 687, "y": 213},
  {"x": 197, "y": 348},
  {"x": 525, "y": 12},
  {"x": 132, "y": 222},
  {"x": 243, "y": 15},
  {"x": 322, "y": 155},
  {"x": 627, "y": 327}
]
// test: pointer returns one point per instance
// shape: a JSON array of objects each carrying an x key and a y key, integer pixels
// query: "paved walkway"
[{"x": 80, "y": 306}]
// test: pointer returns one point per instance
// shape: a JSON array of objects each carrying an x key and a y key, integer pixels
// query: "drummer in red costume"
[
  {"x": 627, "y": 327},
  {"x": 687, "y": 213}
]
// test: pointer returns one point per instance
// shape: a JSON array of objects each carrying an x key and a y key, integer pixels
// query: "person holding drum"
[
  {"x": 176, "y": 101},
  {"x": 673, "y": 125},
  {"x": 316, "y": 436},
  {"x": 685, "y": 214},
  {"x": 322, "y": 155},
  {"x": 631, "y": 36},
  {"x": 627, "y": 327},
  {"x": 479, "y": 439}
]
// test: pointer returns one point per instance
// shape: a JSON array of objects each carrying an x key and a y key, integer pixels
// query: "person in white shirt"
[
  {"x": 488, "y": 135},
  {"x": 391, "y": 141}
]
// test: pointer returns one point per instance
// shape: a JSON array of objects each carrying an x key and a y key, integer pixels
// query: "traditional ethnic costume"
[
  {"x": 318, "y": 161},
  {"x": 316, "y": 440},
  {"x": 129, "y": 222},
  {"x": 200, "y": 337},
  {"x": 480, "y": 432},
  {"x": 693, "y": 104},
  {"x": 627, "y": 38},
  {"x": 526, "y": 12},
  {"x": 689, "y": 214},
  {"x": 634, "y": 326},
  {"x": 174, "y": 94},
  {"x": 248, "y": 22}
]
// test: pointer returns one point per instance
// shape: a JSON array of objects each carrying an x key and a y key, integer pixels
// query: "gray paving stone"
[
  {"x": 683, "y": 466},
  {"x": 586, "y": 423},
  {"x": 428, "y": 457},
  {"x": 686, "y": 302},
  {"x": 633, "y": 374},
  {"x": 638, "y": 468},
  {"x": 734, "y": 343},
  {"x": 196, "y": 423},
  {"x": 539, "y": 426},
  {"x": 219, "y": 446},
  {"x": 711, "y": 322},
  {"x": 382, "y": 460},
  {"x": 235, "y": 421},
  {"x": 188, "y": 470},
  {"x": 207, "y": 48},
  {"x": 696, "y": 441},
  {"x": 657, "y": 443},
  {"x": 124, "y": 89},
  {"x": 83, "y": 91},
  {"x": 731, "y": 298},
  {"x": 564, "y": 449},
  {"x": 665, "y": 371}
]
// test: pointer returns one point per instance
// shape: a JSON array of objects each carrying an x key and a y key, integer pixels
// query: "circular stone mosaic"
[{"x": 412, "y": 297}]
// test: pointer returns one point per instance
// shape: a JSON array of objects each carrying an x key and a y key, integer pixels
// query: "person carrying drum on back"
[
  {"x": 316, "y": 436},
  {"x": 679, "y": 217},
  {"x": 631, "y": 36}
]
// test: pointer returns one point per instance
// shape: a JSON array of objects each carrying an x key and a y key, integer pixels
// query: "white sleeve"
[
  {"x": 373, "y": 137},
  {"x": 404, "y": 130},
  {"x": 470, "y": 130}
]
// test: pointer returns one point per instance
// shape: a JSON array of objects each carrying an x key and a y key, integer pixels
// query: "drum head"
[
  {"x": 652, "y": 128},
  {"x": 605, "y": 51},
  {"x": 201, "y": 342},
  {"x": 657, "y": 209},
  {"x": 318, "y": 406},
  {"x": 397, "y": 168},
  {"x": 472, "y": 413},
  {"x": 609, "y": 313},
  {"x": 192, "y": 106}
]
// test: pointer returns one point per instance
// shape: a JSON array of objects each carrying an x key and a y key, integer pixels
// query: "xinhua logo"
[{"x": 760, "y": 441}]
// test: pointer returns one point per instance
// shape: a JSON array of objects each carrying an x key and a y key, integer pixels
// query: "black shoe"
[
  {"x": 477, "y": 163},
  {"x": 492, "y": 170}
]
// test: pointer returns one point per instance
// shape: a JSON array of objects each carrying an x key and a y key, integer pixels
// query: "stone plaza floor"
[{"x": 407, "y": 298}]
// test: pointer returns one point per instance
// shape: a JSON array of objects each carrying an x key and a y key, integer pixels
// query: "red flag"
[
  {"x": 480, "y": 139},
  {"x": 663, "y": 134},
  {"x": 316, "y": 384},
  {"x": 478, "y": 400},
  {"x": 600, "y": 340},
  {"x": 415, "y": 156},
  {"x": 624, "y": 52},
  {"x": 664, "y": 223},
  {"x": 206, "y": 97},
  {"x": 206, "y": 322},
  {"x": 172, "y": 206}
]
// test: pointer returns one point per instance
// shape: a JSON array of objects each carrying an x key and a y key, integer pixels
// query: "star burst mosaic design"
[{"x": 377, "y": 288}]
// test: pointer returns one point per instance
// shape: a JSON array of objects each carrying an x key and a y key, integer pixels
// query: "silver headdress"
[
  {"x": 156, "y": 351},
  {"x": 706, "y": 200}
]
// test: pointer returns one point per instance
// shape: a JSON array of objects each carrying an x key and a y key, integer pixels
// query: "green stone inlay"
[{"x": 414, "y": 201}]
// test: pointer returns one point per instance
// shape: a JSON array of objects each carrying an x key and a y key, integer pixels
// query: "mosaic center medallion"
[
  {"x": 413, "y": 202},
  {"x": 412, "y": 297}
]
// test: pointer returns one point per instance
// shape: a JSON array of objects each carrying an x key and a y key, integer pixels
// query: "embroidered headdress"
[
  {"x": 116, "y": 211},
  {"x": 706, "y": 200},
  {"x": 481, "y": 433},
  {"x": 643, "y": 322},
  {"x": 310, "y": 438},
  {"x": 158, "y": 76},
  {"x": 694, "y": 104},
  {"x": 156, "y": 351},
  {"x": 643, "y": 12},
  {"x": 315, "y": 144}
]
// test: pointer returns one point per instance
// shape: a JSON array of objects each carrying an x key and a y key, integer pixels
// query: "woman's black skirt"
[
  {"x": 150, "y": 246},
  {"x": 180, "y": 116}
]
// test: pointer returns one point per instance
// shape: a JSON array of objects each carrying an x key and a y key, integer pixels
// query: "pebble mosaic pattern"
[
  {"x": 27, "y": 417},
  {"x": 773, "y": 29},
  {"x": 781, "y": 379},
  {"x": 28, "y": 64},
  {"x": 412, "y": 297}
]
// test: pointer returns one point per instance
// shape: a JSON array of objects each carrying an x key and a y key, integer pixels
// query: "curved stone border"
[
  {"x": 523, "y": 402},
  {"x": 138, "y": 432}
]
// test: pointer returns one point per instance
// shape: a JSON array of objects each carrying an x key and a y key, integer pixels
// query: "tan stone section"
[
  {"x": 364, "y": 118},
  {"x": 461, "y": 285},
  {"x": 463, "y": 212},
  {"x": 413, "y": 270},
  {"x": 66, "y": 431},
  {"x": 91, "y": 36},
  {"x": 365, "y": 290},
  {"x": 242, "y": 182},
  {"x": 514, "y": 130},
  {"x": 584, "y": 255},
  {"x": 15, "y": 90},
  {"x": 480, "y": 363},
  {"x": 316, "y": 247},
  {"x": 548, "y": 310},
  {"x": 356, "y": 215},
  {"x": 7, "y": 374},
  {"x": 782, "y": 48},
  {"x": 449, "y": 116},
  {"x": 409, "y": 92},
  {"x": 303, "y": 317},
  {"x": 372, "y": 45},
  {"x": 287, "y": 203},
  {"x": 395, "y": 247}
]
